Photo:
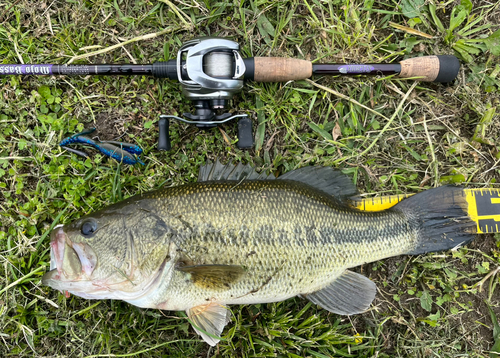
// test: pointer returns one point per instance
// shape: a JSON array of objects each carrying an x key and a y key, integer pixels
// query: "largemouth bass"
[{"x": 237, "y": 237}]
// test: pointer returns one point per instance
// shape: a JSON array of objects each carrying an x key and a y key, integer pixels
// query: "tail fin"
[{"x": 442, "y": 219}]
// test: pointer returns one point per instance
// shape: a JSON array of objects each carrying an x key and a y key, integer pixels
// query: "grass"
[{"x": 403, "y": 139}]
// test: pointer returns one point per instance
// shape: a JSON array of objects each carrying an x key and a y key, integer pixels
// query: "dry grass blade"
[
  {"x": 135, "y": 39},
  {"x": 389, "y": 122},
  {"x": 21, "y": 279},
  {"x": 181, "y": 15},
  {"x": 434, "y": 162},
  {"x": 410, "y": 30},
  {"x": 340, "y": 95}
]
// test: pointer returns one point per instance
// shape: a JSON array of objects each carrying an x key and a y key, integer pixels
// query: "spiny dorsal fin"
[
  {"x": 211, "y": 318},
  {"x": 218, "y": 172},
  {"x": 350, "y": 293},
  {"x": 326, "y": 179},
  {"x": 214, "y": 277}
]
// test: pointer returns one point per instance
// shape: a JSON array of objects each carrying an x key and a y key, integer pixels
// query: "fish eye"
[{"x": 88, "y": 227}]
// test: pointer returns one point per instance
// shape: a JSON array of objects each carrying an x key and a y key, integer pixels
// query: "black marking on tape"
[
  {"x": 485, "y": 205},
  {"x": 488, "y": 225}
]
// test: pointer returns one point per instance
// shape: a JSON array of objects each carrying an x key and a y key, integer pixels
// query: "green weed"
[{"x": 389, "y": 135}]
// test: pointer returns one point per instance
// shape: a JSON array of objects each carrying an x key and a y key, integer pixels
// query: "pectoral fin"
[
  {"x": 350, "y": 293},
  {"x": 214, "y": 277},
  {"x": 209, "y": 321}
]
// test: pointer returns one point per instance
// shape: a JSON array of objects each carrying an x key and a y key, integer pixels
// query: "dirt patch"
[{"x": 111, "y": 126}]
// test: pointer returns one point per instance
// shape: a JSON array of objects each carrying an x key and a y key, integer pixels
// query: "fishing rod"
[{"x": 211, "y": 71}]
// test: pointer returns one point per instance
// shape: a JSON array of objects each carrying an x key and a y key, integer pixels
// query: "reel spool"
[
  {"x": 219, "y": 64},
  {"x": 210, "y": 71}
]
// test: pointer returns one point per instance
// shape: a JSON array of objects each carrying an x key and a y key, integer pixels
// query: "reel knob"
[
  {"x": 245, "y": 136},
  {"x": 164, "y": 135}
]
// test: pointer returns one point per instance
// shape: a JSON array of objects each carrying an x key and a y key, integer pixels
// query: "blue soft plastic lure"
[{"x": 123, "y": 152}]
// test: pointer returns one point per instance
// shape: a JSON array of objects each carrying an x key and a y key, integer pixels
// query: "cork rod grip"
[
  {"x": 277, "y": 69},
  {"x": 442, "y": 68}
]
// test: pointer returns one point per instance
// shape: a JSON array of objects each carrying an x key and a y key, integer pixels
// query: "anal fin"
[
  {"x": 210, "y": 318},
  {"x": 350, "y": 293}
]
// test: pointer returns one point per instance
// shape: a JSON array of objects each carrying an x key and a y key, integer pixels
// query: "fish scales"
[
  {"x": 290, "y": 238},
  {"x": 202, "y": 246}
]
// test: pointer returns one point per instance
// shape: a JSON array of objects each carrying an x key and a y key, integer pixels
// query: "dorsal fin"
[
  {"x": 326, "y": 179},
  {"x": 218, "y": 171}
]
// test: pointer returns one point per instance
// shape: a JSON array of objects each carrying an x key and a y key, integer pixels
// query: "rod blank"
[{"x": 76, "y": 70}]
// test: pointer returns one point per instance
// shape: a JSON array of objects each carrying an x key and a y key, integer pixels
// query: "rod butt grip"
[
  {"x": 448, "y": 68},
  {"x": 441, "y": 68}
]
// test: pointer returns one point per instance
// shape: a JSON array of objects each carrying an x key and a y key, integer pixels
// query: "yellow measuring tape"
[{"x": 483, "y": 206}]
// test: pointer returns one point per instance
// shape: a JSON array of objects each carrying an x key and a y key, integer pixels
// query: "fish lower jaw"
[
  {"x": 92, "y": 289},
  {"x": 103, "y": 293}
]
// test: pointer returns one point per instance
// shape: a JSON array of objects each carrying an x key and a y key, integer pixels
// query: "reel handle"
[
  {"x": 164, "y": 136},
  {"x": 245, "y": 136}
]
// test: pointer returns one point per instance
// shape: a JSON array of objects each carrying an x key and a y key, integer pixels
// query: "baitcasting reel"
[{"x": 210, "y": 71}]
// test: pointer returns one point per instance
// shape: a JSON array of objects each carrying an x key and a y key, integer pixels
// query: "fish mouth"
[
  {"x": 65, "y": 260},
  {"x": 72, "y": 266},
  {"x": 58, "y": 241}
]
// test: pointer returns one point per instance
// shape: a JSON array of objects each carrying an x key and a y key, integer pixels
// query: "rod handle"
[
  {"x": 279, "y": 69},
  {"x": 440, "y": 68}
]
